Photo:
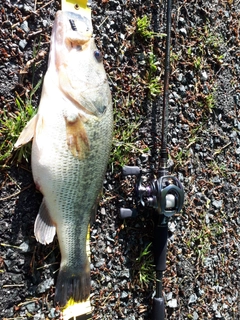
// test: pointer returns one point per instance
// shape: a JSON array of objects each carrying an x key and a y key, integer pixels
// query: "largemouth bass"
[{"x": 72, "y": 135}]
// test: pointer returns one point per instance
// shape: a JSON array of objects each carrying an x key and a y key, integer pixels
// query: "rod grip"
[
  {"x": 158, "y": 309},
  {"x": 160, "y": 246}
]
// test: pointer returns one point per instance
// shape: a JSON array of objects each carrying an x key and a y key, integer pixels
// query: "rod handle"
[{"x": 158, "y": 309}]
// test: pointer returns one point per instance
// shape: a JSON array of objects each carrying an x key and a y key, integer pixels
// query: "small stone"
[
  {"x": 53, "y": 313},
  {"x": 214, "y": 306},
  {"x": 22, "y": 43},
  {"x": 216, "y": 180},
  {"x": 182, "y": 21},
  {"x": 183, "y": 32},
  {"x": 193, "y": 298},
  {"x": 24, "y": 247},
  {"x": 218, "y": 315},
  {"x": 100, "y": 263},
  {"x": 207, "y": 218},
  {"x": 217, "y": 204},
  {"x": 125, "y": 274},
  {"x": 124, "y": 295},
  {"x": 24, "y": 26},
  {"x": 144, "y": 158},
  {"x": 109, "y": 250},
  {"x": 16, "y": 278},
  {"x": 31, "y": 307},
  {"x": 169, "y": 296},
  {"x": 172, "y": 226},
  {"x": 172, "y": 303},
  {"x": 44, "y": 286},
  {"x": 237, "y": 151},
  {"x": 182, "y": 91},
  {"x": 204, "y": 76},
  {"x": 45, "y": 23}
]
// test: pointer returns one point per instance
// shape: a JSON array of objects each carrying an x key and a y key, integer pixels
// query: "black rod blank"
[{"x": 163, "y": 152}]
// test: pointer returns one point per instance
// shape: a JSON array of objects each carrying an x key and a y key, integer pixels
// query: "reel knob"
[{"x": 131, "y": 171}]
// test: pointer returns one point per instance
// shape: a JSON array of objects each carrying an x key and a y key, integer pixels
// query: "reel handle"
[{"x": 131, "y": 171}]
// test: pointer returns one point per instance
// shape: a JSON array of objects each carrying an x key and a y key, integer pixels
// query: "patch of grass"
[
  {"x": 145, "y": 266},
  {"x": 219, "y": 169},
  {"x": 202, "y": 241},
  {"x": 11, "y": 126},
  {"x": 125, "y": 143},
  {"x": 208, "y": 101},
  {"x": 143, "y": 28},
  {"x": 153, "y": 81},
  {"x": 180, "y": 156}
]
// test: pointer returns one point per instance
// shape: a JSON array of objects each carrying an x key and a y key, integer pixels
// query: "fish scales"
[{"x": 72, "y": 135}]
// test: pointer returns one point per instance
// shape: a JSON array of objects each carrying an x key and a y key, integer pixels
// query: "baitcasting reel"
[{"x": 164, "y": 194}]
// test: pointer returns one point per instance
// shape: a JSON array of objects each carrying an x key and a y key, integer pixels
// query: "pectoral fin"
[
  {"x": 44, "y": 229},
  {"x": 28, "y": 133},
  {"x": 77, "y": 139}
]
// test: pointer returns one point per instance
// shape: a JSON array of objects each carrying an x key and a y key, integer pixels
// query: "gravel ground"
[{"x": 202, "y": 279}]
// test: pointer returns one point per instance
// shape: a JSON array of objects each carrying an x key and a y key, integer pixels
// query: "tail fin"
[
  {"x": 77, "y": 311},
  {"x": 72, "y": 285}
]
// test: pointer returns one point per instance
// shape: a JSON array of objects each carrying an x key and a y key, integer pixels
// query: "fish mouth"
[{"x": 78, "y": 30}]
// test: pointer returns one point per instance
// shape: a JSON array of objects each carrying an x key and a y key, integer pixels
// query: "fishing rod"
[{"x": 165, "y": 193}]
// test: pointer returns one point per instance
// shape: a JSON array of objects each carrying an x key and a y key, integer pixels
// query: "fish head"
[
  {"x": 70, "y": 32},
  {"x": 76, "y": 65}
]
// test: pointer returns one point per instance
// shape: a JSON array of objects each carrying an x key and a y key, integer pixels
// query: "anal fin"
[{"x": 44, "y": 229}]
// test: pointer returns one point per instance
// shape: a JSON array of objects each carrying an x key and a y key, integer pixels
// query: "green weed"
[
  {"x": 125, "y": 140},
  {"x": 152, "y": 80},
  {"x": 143, "y": 29},
  {"x": 207, "y": 102},
  {"x": 11, "y": 126},
  {"x": 145, "y": 266}
]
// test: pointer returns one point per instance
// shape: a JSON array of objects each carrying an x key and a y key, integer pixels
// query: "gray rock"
[
  {"x": 217, "y": 204},
  {"x": 31, "y": 307},
  {"x": 193, "y": 298},
  {"x": 24, "y": 247},
  {"x": 204, "y": 76},
  {"x": 24, "y": 26},
  {"x": 172, "y": 303},
  {"x": 183, "y": 32},
  {"x": 22, "y": 43},
  {"x": 44, "y": 286}
]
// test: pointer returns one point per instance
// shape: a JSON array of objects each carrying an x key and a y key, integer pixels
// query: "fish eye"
[{"x": 98, "y": 55}]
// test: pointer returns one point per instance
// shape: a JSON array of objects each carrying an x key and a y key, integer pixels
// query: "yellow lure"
[{"x": 77, "y": 6}]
